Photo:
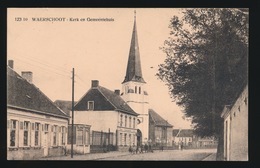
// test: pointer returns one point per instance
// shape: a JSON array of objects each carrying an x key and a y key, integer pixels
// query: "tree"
[{"x": 206, "y": 64}]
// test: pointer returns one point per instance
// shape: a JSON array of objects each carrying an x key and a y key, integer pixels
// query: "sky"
[{"x": 97, "y": 50}]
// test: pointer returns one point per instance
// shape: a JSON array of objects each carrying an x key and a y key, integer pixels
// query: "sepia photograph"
[{"x": 138, "y": 84}]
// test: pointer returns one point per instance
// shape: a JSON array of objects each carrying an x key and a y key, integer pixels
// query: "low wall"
[{"x": 32, "y": 153}]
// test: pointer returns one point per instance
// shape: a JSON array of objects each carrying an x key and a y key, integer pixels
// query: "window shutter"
[
  {"x": 32, "y": 126},
  {"x": 8, "y": 123},
  {"x": 21, "y": 125}
]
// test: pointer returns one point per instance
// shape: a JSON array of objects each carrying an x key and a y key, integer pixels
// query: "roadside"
[
  {"x": 211, "y": 157},
  {"x": 89, "y": 156}
]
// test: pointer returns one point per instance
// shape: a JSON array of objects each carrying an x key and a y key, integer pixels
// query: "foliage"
[{"x": 206, "y": 63}]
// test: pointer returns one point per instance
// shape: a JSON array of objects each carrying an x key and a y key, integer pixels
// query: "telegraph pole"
[{"x": 72, "y": 111}]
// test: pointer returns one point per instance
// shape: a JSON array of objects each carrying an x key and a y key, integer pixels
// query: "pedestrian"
[
  {"x": 150, "y": 148},
  {"x": 137, "y": 149},
  {"x": 130, "y": 149},
  {"x": 145, "y": 148},
  {"x": 142, "y": 148}
]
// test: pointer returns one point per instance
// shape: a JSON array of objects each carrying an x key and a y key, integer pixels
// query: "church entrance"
[{"x": 139, "y": 137}]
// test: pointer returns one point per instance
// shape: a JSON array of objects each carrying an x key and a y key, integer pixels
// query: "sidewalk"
[
  {"x": 89, "y": 156},
  {"x": 211, "y": 157}
]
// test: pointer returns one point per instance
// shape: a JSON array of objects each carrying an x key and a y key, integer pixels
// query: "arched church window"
[
  {"x": 135, "y": 89},
  {"x": 140, "y": 90}
]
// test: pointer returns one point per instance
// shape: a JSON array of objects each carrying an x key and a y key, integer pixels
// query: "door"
[{"x": 45, "y": 144}]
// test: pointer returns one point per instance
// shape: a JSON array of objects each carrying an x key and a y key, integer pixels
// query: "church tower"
[{"x": 134, "y": 88}]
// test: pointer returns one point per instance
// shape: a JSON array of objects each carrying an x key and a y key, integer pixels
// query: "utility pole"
[{"x": 72, "y": 111}]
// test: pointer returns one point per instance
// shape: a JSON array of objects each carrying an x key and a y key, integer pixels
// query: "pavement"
[
  {"x": 211, "y": 157},
  {"x": 201, "y": 154},
  {"x": 89, "y": 156}
]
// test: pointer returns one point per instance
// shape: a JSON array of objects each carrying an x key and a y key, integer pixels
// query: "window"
[
  {"x": 139, "y": 90},
  {"x": 80, "y": 137},
  {"x": 130, "y": 122},
  {"x": 125, "y": 121},
  {"x": 135, "y": 89},
  {"x": 125, "y": 139},
  {"x": 90, "y": 105},
  {"x": 37, "y": 134},
  {"x": 121, "y": 120},
  {"x": 13, "y": 133},
  {"x": 54, "y": 135},
  {"x": 134, "y": 123},
  {"x": 130, "y": 139},
  {"x": 121, "y": 139},
  {"x": 46, "y": 127},
  {"x": 26, "y": 134},
  {"x": 63, "y": 135},
  {"x": 86, "y": 137}
]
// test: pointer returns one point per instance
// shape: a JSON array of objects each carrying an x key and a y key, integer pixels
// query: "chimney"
[
  {"x": 94, "y": 83},
  {"x": 11, "y": 63},
  {"x": 117, "y": 92},
  {"x": 27, "y": 75}
]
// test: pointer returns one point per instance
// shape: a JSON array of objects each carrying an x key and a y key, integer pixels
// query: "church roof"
[
  {"x": 134, "y": 71},
  {"x": 104, "y": 100},
  {"x": 26, "y": 96},
  {"x": 157, "y": 119}
]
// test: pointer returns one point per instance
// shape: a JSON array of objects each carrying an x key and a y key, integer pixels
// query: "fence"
[{"x": 102, "y": 141}]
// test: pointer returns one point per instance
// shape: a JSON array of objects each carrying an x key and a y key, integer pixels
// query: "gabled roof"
[
  {"x": 26, "y": 96},
  {"x": 157, "y": 119},
  {"x": 134, "y": 71},
  {"x": 104, "y": 100},
  {"x": 182, "y": 133},
  {"x": 65, "y": 105}
]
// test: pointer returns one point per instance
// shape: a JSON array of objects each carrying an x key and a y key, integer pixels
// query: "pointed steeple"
[{"x": 134, "y": 71}]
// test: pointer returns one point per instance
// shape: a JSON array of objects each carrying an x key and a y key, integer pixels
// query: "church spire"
[{"x": 134, "y": 71}]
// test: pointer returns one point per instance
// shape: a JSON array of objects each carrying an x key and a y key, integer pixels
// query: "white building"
[
  {"x": 236, "y": 128},
  {"x": 35, "y": 126}
]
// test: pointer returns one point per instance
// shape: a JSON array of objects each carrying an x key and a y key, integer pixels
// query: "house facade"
[
  {"x": 35, "y": 126},
  {"x": 236, "y": 128},
  {"x": 184, "y": 136},
  {"x": 106, "y": 112},
  {"x": 160, "y": 131}
]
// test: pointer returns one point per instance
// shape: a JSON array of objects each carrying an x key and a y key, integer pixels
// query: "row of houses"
[{"x": 189, "y": 139}]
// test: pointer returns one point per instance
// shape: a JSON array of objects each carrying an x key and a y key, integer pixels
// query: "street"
[{"x": 169, "y": 155}]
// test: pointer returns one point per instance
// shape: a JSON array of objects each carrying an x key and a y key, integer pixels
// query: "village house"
[
  {"x": 160, "y": 131},
  {"x": 184, "y": 136},
  {"x": 236, "y": 128},
  {"x": 189, "y": 139},
  {"x": 35, "y": 126},
  {"x": 112, "y": 121}
]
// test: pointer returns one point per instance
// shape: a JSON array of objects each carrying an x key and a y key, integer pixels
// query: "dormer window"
[{"x": 90, "y": 105}]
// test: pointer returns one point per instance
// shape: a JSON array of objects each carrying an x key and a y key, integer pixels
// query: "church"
[
  {"x": 135, "y": 95},
  {"x": 123, "y": 118}
]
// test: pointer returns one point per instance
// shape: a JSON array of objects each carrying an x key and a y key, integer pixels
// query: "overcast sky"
[{"x": 97, "y": 50}]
